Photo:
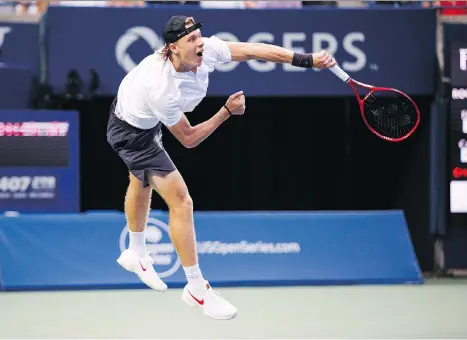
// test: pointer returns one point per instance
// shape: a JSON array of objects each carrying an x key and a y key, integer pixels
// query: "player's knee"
[{"x": 183, "y": 202}]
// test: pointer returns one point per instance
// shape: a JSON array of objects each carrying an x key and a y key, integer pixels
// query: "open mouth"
[{"x": 199, "y": 54}]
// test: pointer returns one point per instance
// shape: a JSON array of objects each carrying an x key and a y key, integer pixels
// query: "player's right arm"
[
  {"x": 241, "y": 51},
  {"x": 226, "y": 51},
  {"x": 191, "y": 136}
]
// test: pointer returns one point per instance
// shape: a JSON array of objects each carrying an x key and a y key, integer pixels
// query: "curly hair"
[{"x": 166, "y": 52}]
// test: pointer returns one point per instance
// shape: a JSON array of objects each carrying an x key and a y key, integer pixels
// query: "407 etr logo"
[{"x": 15, "y": 184}]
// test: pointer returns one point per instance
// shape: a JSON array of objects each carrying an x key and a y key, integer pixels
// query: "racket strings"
[{"x": 390, "y": 113}]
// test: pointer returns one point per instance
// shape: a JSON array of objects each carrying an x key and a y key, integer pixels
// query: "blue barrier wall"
[{"x": 79, "y": 251}]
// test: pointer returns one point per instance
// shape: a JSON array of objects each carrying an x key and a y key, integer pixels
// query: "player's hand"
[
  {"x": 323, "y": 59},
  {"x": 236, "y": 103}
]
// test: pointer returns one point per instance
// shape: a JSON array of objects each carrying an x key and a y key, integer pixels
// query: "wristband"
[
  {"x": 230, "y": 113},
  {"x": 304, "y": 60}
]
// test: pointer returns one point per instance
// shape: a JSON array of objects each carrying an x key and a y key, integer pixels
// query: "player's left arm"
[{"x": 242, "y": 51}]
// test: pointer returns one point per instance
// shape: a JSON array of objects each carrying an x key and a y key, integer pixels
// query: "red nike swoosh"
[
  {"x": 200, "y": 302},
  {"x": 144, "y": 269}
]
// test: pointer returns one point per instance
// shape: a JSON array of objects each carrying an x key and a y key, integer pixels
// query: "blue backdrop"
[
  {"x": 394, "y": 48},
  {"x": 19, "y": 45},
  {"x": 19, "y": 63}
]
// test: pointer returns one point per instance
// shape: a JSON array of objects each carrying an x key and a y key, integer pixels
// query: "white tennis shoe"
[
  {"x": 212, "y": 303},
  {"x": 143, "y": 267}
]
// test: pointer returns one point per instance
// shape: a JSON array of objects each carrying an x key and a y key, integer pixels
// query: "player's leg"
[
  {"x": 173, "y": 190},
  {"x": 136, "y": 147},
  {"x": 137, "y": 204},
  {"x": 136, "y": 258}
]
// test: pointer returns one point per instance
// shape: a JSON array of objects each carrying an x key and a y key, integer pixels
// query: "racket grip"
[{"x": 340, "y": 73}]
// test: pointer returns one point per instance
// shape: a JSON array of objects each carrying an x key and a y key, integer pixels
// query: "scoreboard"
[{"x": 39, "y": 161}]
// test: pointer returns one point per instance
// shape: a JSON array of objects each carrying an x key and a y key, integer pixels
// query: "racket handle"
[{"x": 340, "y": 73}]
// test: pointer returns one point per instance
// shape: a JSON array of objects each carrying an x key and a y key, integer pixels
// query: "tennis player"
[{"x": 167, "y": 83}]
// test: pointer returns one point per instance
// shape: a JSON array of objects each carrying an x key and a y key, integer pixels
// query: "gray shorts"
[{"x": 141, "y": 150}]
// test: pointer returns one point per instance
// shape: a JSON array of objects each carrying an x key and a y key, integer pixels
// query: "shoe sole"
[
  {"x": 191, "y": 303},
  {"x": 162, "y": 290},
  {"x": 222, "y": 318}
]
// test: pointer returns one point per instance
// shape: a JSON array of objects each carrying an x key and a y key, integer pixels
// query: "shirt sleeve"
[
  {"x": 165, "y": 109},
  {"x": 217, "y": 49}
]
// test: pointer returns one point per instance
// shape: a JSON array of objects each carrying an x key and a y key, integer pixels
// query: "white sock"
[
  {"x": 138, "y": 243},
  {"x": 195, "y": 278}
]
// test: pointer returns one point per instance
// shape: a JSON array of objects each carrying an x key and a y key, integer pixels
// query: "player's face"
[{"x": 191, "y": 48}]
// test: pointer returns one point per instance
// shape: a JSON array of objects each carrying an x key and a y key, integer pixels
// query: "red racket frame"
[{"x": 353, "y": 84}]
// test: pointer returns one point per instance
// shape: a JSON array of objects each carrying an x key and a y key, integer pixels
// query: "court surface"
[{"x": 436, "y": 309}]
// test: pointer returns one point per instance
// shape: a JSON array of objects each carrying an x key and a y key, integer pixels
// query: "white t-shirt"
[{"x": 155, "y": 92}]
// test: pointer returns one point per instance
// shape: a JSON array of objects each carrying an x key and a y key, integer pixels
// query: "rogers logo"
[
  {"x": 459, "y": 172},
  {"x": 459, "y": 93},
  {"x": 128, "y": 38}
]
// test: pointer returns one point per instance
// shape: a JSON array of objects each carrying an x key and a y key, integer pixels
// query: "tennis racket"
[{"x": 388, "y": 113}]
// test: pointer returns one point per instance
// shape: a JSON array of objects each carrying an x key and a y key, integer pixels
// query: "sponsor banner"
[
  {"x": 359, "y": 39},
  {"x": 79, "y": 251},
  {"x": 455, "y": 69},
  {"x": 39, "y": 161},
  {"x": 458, "y": 126}
]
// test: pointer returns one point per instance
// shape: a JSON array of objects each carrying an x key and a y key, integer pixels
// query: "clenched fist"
[
  {"x": 323, "y": 59},
  {"x": 236, "y": 103}
]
